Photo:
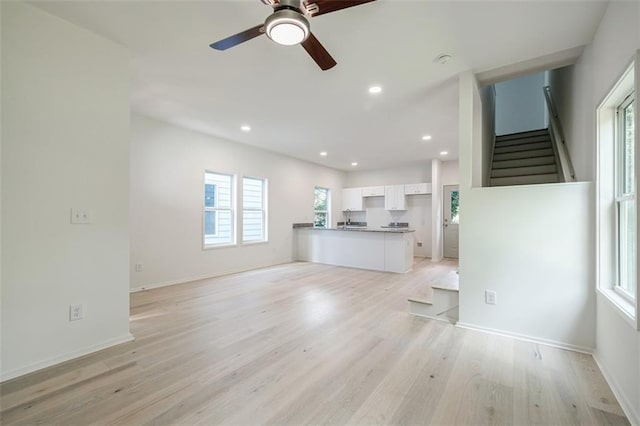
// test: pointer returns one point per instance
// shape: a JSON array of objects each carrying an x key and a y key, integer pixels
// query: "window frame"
[
  {"x": 327, "y": 212},
  {"x": 264, "y": 210},
  {"x": 232, "y": 211},
  {"x": 606, "y": 211},
  {"x": 622, "y": 197}
]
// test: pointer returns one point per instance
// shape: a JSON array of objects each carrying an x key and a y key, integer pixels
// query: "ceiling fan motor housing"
[{"x": 287, "y": 25}]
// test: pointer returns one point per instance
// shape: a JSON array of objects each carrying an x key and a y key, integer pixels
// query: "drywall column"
[
  {"x": 65, "y": 144},
  {"x": 436, "y": 211}
]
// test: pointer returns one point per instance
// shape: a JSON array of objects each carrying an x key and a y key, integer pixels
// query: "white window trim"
[
  {"x": 233, "y": 210},
  {"x": 606, "y": 187},
  {"x": 264, "y": 210}
]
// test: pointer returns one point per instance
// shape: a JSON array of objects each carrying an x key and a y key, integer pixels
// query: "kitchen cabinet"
[
  {"x": 373, "y": 191},
  {"x": 394, "y": 198},
  {"x": 352, "y": 199},
  {"x": 417, "y": 188}
]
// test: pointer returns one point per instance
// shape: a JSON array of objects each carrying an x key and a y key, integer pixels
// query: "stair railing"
[{"x": 557, "y": 138}]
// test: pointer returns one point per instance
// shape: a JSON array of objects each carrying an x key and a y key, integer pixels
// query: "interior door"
[{"x": 451, "y": 204}]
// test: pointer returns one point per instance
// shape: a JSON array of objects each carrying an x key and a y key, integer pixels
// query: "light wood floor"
[{"x": 306, "y": 343}]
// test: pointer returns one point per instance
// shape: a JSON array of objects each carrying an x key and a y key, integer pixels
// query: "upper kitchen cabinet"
[
  {"x": 352, "y": 199},
  {"x": 373, "y": 191},
  {"x": 394, "y": 197},
  {"x": 417, "y": 188}
]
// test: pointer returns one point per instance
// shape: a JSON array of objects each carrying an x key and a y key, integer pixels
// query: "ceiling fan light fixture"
[{"x": 287, "y": 27}]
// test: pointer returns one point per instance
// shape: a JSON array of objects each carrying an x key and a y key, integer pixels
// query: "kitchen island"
[{"x": 377, "y": 249}]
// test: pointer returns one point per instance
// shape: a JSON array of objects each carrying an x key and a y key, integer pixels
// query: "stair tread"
[
  {"x": 420, "y": 300},
  {"x": 523, "y": 154},
  {"x": 522, "y": 141},
  {"x": 522, "y": 147},
  {"x": 524, "y": 162},
  {"x": 521, "y": 134},
  {"x": 524, "y": 171},
  {"x": 446, "y": 287}
]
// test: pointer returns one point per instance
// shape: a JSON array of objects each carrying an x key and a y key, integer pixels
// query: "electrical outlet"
[
  {"x": 138, "y": 267},
  {"x": 75, "y": 312},
  {"x": 80, "y": 216},
  {"x": 490, "y": 297},
  {"x": 419, "y": 243}
]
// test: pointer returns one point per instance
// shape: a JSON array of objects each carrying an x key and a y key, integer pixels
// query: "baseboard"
[
  {"x": 628, "y": 408},
  {"x": 206, "y": 276},
  {"x": 552, "y": 343},
  {"x": 12, "y": 374}
]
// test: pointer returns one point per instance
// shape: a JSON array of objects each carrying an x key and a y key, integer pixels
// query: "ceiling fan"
[{"x": 288, "y": 25}]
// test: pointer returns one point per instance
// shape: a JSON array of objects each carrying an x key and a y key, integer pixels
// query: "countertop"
[{"x": 361, "y": 229}]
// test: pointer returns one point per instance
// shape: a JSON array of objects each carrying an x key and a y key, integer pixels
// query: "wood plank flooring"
[{"x": 305, "y": 343}]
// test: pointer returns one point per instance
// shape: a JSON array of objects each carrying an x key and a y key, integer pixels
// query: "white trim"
[
  {"x": 205, "y": 276},
  {"x": 620, "y": 304},
  {"x": 627, "y": 406},
  {"x": 12, "y": 374},
  {"x": 552, "y": 343}
]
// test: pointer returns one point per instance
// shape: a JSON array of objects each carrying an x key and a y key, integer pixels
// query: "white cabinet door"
[
  {"x": 373, "y": 191},
  {"x": 394, "y": 197},
  {"x": 352, "y": 199},
  {"x": 417, "y": 188}
]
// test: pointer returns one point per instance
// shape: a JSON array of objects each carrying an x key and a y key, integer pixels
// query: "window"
[
  {"x": 321, "y": 208},
  {"x": 254, "y": 209},
  {"x": 625, "y": 199},
  {"x": 219, "y": 222}
]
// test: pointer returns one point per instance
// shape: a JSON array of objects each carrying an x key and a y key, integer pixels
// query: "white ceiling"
[{"x": 295, "y": 108}]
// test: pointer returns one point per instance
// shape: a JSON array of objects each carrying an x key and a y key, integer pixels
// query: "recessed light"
[
  {"x": 245, "y": 128},
  {"x": 375, "y": 90},
  {"x": 442, "y": 58},
  {"x": 355, "y": 163},
  {"x": 426, "y": 138},
  {"x": 443, "y": 152},
  {"x": 323, "y": 153}
]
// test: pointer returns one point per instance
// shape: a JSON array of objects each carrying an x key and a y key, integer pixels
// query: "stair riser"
[
  {"x": 524, "y": 162},
  {"x": 525, "y": 180},
  {"x": 523, "y": 147},
  {"x": 524, "y": 171},
  {"x": 523, "y": 154},
  {"x": 543, "y": 138}
]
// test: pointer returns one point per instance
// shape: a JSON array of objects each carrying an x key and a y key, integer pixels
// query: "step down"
[{"x": 441, "y": 306}]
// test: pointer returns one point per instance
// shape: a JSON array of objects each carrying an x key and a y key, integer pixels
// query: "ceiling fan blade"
[
  {"x": 317, "y": 51},
  {"x": 236, "y": 39},
  {"x": 320, "y": 7}
]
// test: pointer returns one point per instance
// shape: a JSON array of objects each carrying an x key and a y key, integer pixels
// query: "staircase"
[
  {"x": 524, "y": 158},
  {"x": 441, "y": 303}
]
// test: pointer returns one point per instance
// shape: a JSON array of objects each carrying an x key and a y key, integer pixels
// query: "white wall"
[
  {"x": 449, "y": 173},
  {"x": 410, "y": 173},
  {"x": 167, "y": 174},
  {"x": 521, "y": 243},
  {"x": 65, "y": 118},
  {"x": 520, "y": 105},
  {"x": 616, "y": 41}
]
